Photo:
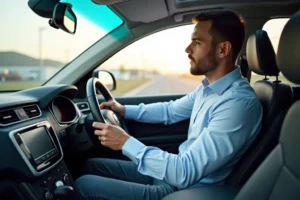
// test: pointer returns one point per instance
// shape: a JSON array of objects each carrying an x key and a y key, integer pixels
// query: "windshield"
[{"x": 31, "y": 51}]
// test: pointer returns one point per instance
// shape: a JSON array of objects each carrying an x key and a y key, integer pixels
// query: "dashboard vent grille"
[
  {"x": 8, "y": 117},
  {"x": 32, "y": 111}
]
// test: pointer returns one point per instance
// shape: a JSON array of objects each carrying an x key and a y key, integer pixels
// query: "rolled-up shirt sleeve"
[{"x": 230, "y": 127}]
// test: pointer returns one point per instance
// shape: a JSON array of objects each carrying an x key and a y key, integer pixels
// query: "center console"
[
  {"x": 57, "y": 184},
  {"x": 40, "y": 149}
]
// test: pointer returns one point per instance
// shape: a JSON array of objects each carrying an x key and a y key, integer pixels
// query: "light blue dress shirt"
[{"x": 224, "y": 116}]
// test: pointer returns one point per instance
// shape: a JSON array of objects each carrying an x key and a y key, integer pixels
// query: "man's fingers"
[
  {"x": 106, "y": 104},
  {"x": 99, "y": 125},
  {"x": 100, "y": 133},
  {"x": 102, "y": 138}
]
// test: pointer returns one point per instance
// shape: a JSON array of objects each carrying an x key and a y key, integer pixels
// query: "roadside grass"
[
  {"x": 18, "y": 85},
  {"x": 124, "y": 86}
]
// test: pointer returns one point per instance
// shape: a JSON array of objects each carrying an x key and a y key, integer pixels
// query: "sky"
[
  {"x": 20, "y": 32},
  {"x": 163, "y": 51}
]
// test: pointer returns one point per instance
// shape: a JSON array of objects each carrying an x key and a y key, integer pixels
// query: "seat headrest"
[
  {"x": 288, "y": 55},
  {"x": 260, "y": 54}
]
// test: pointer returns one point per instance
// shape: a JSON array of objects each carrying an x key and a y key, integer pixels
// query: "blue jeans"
[{"x": 118, "y": 179}]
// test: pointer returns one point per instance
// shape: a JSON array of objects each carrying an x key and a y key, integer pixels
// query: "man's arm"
[
  {"x": 231, "y": 126},
  {"x": 167, "y": 113}
]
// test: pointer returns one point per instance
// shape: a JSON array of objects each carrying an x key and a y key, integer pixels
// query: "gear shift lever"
[{"x": 64, "y": 192}]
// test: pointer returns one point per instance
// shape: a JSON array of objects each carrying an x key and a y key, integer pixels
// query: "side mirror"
[
  {"x": 64, "y": 17},
  {"x": 106, "y": 79}
]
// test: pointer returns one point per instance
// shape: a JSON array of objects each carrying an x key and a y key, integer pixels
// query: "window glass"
[
  {"x": 31, "y": 51},
  {"x": 154, "y": 65}
]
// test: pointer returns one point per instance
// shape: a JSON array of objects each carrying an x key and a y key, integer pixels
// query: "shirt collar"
[{"x": 223, "y": 83}]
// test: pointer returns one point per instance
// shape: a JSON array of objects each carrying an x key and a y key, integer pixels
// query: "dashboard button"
[
  {"x": 48, "y": 195},
  {"x": 38, "y": 161},
  {"x": 22, "y": 114}
]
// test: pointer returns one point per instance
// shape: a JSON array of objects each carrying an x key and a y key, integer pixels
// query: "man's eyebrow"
[{"x": 197, "y": 39}]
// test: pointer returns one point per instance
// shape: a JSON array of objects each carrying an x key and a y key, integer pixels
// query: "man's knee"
[
  {"x": 82, "y": 184},
  {"x": 89, "y": 186}
]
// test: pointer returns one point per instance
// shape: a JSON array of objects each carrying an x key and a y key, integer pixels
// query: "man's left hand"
[{"x": 110, "y": 136}]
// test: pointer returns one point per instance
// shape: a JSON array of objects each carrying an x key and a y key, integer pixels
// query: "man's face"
[{"x": 201, "y": 52}]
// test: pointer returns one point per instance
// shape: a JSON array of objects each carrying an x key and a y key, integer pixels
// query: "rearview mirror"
[
  {"x": 106, "y": 78},
  {"x": 64, "y": 17}
]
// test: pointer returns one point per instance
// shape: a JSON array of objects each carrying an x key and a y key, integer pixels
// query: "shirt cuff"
[
  {"x": 131, "y": 148},
  {"x": 131, "y": 112}
]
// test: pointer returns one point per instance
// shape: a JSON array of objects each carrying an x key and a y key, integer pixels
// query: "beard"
[{"x": 203, "y": 66}]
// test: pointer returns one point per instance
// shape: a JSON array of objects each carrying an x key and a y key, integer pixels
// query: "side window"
[
  {"x": 154, "y": 65},
  {"x": 274, "y": 29}
]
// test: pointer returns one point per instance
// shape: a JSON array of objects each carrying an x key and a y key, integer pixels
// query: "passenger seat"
[{"x": 276, "y": 97}]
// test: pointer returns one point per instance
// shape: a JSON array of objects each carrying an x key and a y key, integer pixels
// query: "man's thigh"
[
  {"x": 97, "y": 187},
  {"x": 116, "y": 169}
]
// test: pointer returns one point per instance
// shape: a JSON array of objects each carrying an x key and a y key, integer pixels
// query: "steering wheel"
[{"x": 102, "y": 115}]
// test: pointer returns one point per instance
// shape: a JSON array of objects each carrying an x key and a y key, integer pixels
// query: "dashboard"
[{"x": 37, "y": 126}]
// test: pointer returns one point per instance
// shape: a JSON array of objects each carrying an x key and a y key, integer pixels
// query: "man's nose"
[{"x": 188, "y": 50}]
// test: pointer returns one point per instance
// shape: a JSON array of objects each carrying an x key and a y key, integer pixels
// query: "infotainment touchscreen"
[{"x": 39, "y": 144}]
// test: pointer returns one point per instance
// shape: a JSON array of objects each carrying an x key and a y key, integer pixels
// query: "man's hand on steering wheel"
[
  {"x": 114, "y": 106},
  {"x": 109, "y": 120},
  {"x": 113, "y": 137}
]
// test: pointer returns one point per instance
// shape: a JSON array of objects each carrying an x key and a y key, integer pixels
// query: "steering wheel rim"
[{"x": 92, "y": 86}]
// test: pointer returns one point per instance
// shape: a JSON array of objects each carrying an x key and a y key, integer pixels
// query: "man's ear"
[{"x": 224, "y": 49}]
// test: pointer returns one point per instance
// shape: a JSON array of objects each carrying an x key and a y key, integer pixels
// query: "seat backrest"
[
  {"x": 278, "y": 177},
  {"x": 276, "y": 97}
]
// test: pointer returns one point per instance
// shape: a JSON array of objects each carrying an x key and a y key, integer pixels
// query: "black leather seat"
[
  {"x": 262, "y": 60},
  {"x": 278, "y": 177}
]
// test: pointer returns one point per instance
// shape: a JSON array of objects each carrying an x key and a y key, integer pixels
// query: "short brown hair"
[{"x": 226, "y": 26}]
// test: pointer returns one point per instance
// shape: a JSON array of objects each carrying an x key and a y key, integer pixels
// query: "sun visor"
[
  {"x": 143, "y": 11},
  {"x": 107, "y": 2}
]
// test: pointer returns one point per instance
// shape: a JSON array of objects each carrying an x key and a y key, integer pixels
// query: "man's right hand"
[{"x": 114, "y": 106}]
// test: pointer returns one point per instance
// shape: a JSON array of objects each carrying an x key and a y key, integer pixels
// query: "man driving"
[{"x": 225, "y": 117}]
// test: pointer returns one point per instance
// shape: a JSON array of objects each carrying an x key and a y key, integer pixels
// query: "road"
[{"x": 161, "y": 85}]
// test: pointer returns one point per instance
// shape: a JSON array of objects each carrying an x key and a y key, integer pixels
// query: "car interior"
[{"x": 46, "y": 132}]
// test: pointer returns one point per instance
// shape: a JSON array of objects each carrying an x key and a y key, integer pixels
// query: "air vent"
[
  {"x": 32, "y": 111},
  {"x": 8, "y": 116}
]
